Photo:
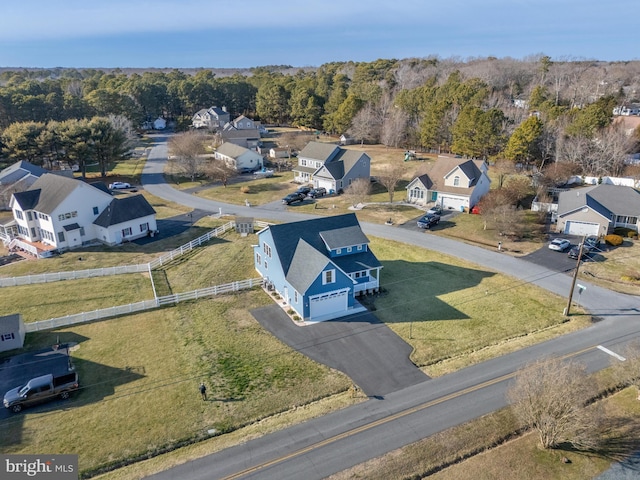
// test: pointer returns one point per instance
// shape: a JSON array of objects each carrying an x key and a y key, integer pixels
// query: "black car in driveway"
[
  {"x": 317, "y": 192},
  {"x": 575, "y": 251},
  {"x": 303, "y": 190},
  {"x": 428, "y": 220},
  {"x": 294, "y": 197}
]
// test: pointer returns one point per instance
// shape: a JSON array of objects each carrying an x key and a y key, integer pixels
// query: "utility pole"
[{"x": 575, "y": 277}]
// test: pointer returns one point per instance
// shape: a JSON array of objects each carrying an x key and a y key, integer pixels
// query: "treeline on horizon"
[{"x": 534, "y": 110}]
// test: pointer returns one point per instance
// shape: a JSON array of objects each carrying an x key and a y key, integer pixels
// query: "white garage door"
[
  {"x": 328, "y": 303},
  {"x": 452, "y": 202},
  {"x": 328, "y": 184},
  {"x": 581, "y": 228}
]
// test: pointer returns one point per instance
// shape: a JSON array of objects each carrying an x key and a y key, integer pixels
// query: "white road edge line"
[{"x": 613, "y": 354}]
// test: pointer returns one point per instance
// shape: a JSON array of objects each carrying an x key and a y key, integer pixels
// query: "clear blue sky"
[{"x": 247, "y": 33}]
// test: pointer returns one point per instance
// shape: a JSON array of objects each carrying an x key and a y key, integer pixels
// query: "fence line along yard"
[
  {"x": 72, "y": 275},
  {"x": 139, "y": 268},
  {"x": 110, "y": 312}
]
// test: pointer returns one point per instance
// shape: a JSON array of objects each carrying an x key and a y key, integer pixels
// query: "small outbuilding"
[{"x": 12, "y": 332}]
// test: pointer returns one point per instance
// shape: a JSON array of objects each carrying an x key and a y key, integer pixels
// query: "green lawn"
[
  {"x": 42, "y": 301},
  {"x": 257, "y": 191},
  {"x": 145, "y": 368},
  {"x": 139, "y": 377}
]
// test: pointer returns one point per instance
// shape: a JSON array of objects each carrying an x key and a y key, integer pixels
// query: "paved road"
[{"x": 332, "y": 443}]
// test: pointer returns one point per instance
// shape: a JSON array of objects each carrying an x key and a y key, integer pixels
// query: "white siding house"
[
  {"x": 60, "y": 213},
  {"x": 240, "y": 158}
]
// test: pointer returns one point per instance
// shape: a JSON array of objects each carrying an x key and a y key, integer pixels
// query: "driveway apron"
[{"x": 360, "y": 345}]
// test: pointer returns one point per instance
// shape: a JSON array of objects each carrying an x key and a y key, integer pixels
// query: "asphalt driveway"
[{"x": 360, "y": 345}]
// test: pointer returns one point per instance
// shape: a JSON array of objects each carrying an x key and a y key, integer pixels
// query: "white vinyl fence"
[
  {"x": 167, "y": 257},
  {"x": 140, "y": 306},
  {"x": 72, "y": 275},
  {"x": 140, "y": 268}
]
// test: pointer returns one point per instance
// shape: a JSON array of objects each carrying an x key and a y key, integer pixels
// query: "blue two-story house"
[{"x": 318, "y": 266}]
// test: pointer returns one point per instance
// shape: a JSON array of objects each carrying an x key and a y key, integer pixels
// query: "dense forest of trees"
[{"x": 534, "y": 111}]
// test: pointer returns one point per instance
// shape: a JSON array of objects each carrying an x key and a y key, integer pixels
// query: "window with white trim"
[
  {"x": 456, "y": 181},
  {"x": 328, "y": 276},
  {"x": 126, "y": 232},
  {"x": 258, "y": 259},
  {"x": 295, "y": 296},
  {"x": 7, "y": 336}
]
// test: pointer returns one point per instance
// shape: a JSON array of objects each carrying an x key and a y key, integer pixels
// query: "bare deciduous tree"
[
  {"x": 218, "y": 170},
  {"x": 186, "y": 150},
  {"x": 294, "y": 141},
  {"x": 358, "y": 191},
  {"x": 365, "y": 126},
  {"x": 390, "y": 178},
  {"x": 550, "y": 396}
]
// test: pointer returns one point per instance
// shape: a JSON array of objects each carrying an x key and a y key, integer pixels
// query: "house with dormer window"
[
  {"x": 330, "y": 166},
  {"x": 318, "y": 266},
  {"x": 452, "y": 183}
]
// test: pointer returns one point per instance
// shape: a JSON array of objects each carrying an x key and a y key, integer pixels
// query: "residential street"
[{"x": 332, "y": 443}]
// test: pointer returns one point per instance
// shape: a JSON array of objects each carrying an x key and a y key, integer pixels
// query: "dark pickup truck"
[
  {"x": 428, "y": 221},
  {"x": 40, "y": 389}
]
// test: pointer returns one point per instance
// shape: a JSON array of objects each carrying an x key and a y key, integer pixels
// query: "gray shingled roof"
[
  {"x": 357, "y": 262},
  {"x": 122, "y": 210},
  {"x": 344, "y": 237},
  {"x": 53, "y": 189},
  {"x": 232, "y": 150},
  {"x": 423, "y": 179},
  {"x": 306, "y": 265},
  {"x": 444, "y": 166},
  {"x": 19, "y": 170},
  {"x": 605, "y": 199},
  {"x": 287, "y": 235},
  {"x": 319, "y": 151}
]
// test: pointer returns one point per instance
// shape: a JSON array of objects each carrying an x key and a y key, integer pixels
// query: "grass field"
[
  {"x": 146, "y": 367},
  {"x": 139, "y": 377},
  {"x": 140, "y": 373}
]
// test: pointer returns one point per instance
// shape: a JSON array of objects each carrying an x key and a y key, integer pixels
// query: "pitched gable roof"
[
  {"x": 319, "y": 151},
  {"x": 343, "y": 237},
  {"x": 287, "y": 235},
  {"x": 122, "y": 210},
  {"x": 424, "y": 180},
  {"x": 339, "y": 165},
  {"x": 444, "y": 166},
  {"x": 19, "y": 170},
  {"x": 52, "y": 190},
  {"x": 605, "y": 199},
  {"x": 470, "y": 169},
  {"x": 232, "y": 150},
  {"x": 306, "y": 265}
]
